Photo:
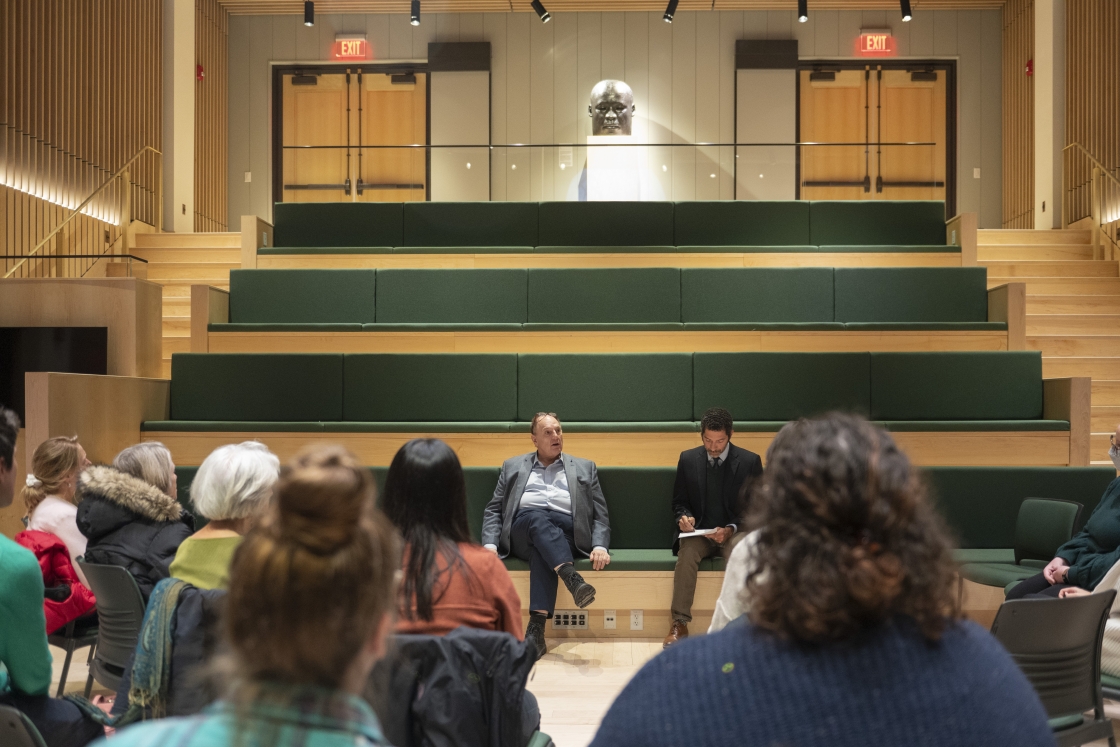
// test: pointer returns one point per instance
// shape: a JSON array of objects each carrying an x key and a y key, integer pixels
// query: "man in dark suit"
[
  {"x": 713, "y": 483},
  {"x": 547, "y": 509}
]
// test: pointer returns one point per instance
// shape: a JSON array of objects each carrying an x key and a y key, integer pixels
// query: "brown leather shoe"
[{"x": 677, "y": 631}]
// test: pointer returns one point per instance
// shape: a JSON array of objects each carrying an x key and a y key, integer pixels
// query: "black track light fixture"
[
  {"x": 415, "y": 19},
  {"x": 670, "y": 11},
  {"x": 309, "y": 13},
  {"x": 545, "y": 16},
  {"x": 802, "y": 10},
  {"x": 906, "y": 14}
]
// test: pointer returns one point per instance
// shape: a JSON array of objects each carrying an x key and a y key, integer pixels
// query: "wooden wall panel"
[
  {"x": 211, "y": 117},
  {"x": 1093, "y": 79},
  {"x": 1018, "y": 115},
  {"x": 80, "y": 93}
]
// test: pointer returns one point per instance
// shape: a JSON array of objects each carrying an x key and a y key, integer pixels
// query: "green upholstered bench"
[
  {"x": 613, "y": 225},
  {"x": 876, "y": 223},
  {"x": 910, "y": 294},
  {"x": 757, "y": 295},
  {"x": 302, "y": 296},
  {"x": 469, "y": 224},
  {"x": 337, "y": 224},
  {"x": 441, "y": 296},
  {"x": 888, "y": 249},
  {"x": 741, "y": 223},
  {"x": 605, "y": 296}
]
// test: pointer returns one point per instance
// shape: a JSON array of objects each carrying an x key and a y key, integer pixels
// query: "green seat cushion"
[
  {"x": 757, "y": 294},
  {"x": 876, "y": 222},
  {"x": 302, "y": 296},
  {"x": 441, "y": 327},
  {"x": 293, "y": 327},
  {"x": 717, "y": 563},
  {"x": 890, "y": 248},
  {"x": 621, "y": 560},
  {"x": 337, "y": 224},
  {"x": 419, "y": 426},
  {"x": 256, "y": 386},
  {"x": 741, "y": 222},
  {"x": 607, "y": 249},
  {"x": 1059, "y": 723},
  {"x": 602, "y": 327},
  {"x": 463, "y": 250},
  {"x": 436, "y": 387},
  {"x": 984, "y": 555},
  {"x": 911, "y": 294},
  {"x": 639, "y": 501},
  {"x": 781, "y": 386},
  {"x": 609, "y": 224},
  {"x": 942, "y": 426},
  {"x": 748, "y": 249},
  {"x": 432, "y": 224},
  {"x": 288, "y": 250},
  {"x": 618, "y": 388},
  {"x": 973, "y": 385},
  {"x": 927, "y": 326},
  {"x": 1109, "y": 681},
  {"x": 996, "y": 574},
  {"x": 604, "y": 296},
  {"x": 764, "y": 326},
  {"x": 451, "y": 296}
]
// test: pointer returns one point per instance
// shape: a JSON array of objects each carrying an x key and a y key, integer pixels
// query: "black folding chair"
[
  {"x": 70, "y": 639},
  {"x": 16, "y": 730},
  {"x": 1057, "y": 644},
  {"x": 120, "y": 614}
]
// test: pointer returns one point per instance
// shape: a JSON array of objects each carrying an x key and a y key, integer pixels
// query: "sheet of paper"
[{"x": 697, "y": 533}]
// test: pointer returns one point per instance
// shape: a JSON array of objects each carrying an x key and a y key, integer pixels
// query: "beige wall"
[{"x": 682, "y": 74}]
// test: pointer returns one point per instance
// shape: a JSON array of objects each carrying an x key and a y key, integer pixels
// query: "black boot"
[
  {"x": 582, "y": 592},
  {"x": 534, "y": 632}
]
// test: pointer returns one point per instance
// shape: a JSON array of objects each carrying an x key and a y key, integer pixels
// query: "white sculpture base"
[{"x": 614, "y": 173}]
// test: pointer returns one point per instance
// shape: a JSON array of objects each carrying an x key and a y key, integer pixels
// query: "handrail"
[
  {"x": 1098, "y": 164},
  {"x": 78, "y": 210}
]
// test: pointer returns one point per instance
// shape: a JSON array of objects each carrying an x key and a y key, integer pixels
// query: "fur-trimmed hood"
[{"x": 126, "y": 491}]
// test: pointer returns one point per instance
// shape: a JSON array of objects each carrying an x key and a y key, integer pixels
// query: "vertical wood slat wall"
[
  {"x": 1092, "y": 89},
  {"x": 211, "y": 117},
  {"x": 1018, "y": 115},
  {"x": 80, "y": 94}
]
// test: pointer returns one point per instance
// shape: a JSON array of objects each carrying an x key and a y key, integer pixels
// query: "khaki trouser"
[{"x": 689, "y": 555}]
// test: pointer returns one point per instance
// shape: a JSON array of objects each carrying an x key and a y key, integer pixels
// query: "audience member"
[
  {"x": 50, "y": 492},
  {"x": 1085, "y": 559},
  {"x": 713, "y": 484},
  {"x": 853, "y": 635},
  {"x": 547, "y": 507},
  {"x": 130, "y": 515},
  {"x": 311, "y": 596},
  {"x": 231, "y": 487},
  {"x": 25, "y": 659},
  {"x": 1110, "y": 646},
  {"x": 448, "y": 580}
]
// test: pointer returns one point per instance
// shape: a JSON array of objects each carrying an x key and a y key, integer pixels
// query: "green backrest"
[
  {"x": 606, "y": 388},
  {"x": 781, "y": 386},
  {"x": 606, "y": 224},
  {"x": 854, "y": 222},
  {"x": 470, "y": 224},
  {"x": 605, "y": 296},
  {"x": 757, "y": 294},
  {"x": 981, "y": 504},
  {"x": 911, "y": 294},
  {"x": 302, "y": 296},
  {"x": 451, "y": 296},
  {"x": 640, "y": 505},
  {"x": 1043, "y": 526},
  {"x": 324, "y": 224},
  {"x": 1003, "y": 385},
  {"x": 430, "y": 387},
  {"x": 267, "y": 387},
  {"x": 741, "y": 223},
  {"x": 184, "y": 476}
]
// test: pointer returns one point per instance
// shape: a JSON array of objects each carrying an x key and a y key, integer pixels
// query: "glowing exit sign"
[
  {"x": 875, "y": 43},
  {"x": 350, "y": 48}
]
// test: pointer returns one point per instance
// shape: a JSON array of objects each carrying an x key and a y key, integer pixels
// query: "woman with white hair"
[{"x": 232, "y": 486}]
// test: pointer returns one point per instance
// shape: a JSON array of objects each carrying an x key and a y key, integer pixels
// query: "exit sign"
[
  {"x": 875, "y": 43},
  {"x": 350, "y": 48}
]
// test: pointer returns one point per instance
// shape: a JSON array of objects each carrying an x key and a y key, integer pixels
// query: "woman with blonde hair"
[
  {"x": 311, "y": 596},
  {"x": 50, "y": 492}
]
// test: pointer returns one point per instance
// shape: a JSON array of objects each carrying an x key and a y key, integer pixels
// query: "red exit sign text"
[
  {"x": 350, "y": 49},
  {"x": 876, "y": 44}
]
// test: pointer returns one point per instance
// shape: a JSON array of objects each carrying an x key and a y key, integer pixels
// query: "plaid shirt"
[{"x": 280, "y": 716}]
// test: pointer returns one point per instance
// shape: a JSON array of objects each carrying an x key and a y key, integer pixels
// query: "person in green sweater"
[
  {"x": 1086, "y": 558},
  {"x": 25, "y": 659}
]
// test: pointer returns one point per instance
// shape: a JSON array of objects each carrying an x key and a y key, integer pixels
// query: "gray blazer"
[{"x": 591, "y": 525}]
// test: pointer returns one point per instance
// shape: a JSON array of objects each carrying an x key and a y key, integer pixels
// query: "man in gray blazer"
[{"x": 547, "y": 509}]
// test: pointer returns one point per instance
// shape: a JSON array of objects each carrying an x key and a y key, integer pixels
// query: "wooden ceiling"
[{"x": 269, "y": 7}]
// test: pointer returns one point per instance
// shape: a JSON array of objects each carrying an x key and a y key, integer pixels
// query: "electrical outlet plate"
[
  {"x": 637, "y": 619},
  {"x": 569, "y": 620},
  {"x": 610, "y": 620}
]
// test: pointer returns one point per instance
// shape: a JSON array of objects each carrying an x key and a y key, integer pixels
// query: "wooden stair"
[
  {"x": 1073, "y": 311},
  {"x": 178, "y": 260}
]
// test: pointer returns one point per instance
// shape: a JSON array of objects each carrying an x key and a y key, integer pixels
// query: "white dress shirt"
[
  {"x": 60, "y": 518},
  {"x": 547, "y": 487}
]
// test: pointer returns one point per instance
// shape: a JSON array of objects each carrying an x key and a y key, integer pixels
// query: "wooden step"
[
  {"x": 1049, "y": 269},
  {"x": 177, "y": 326},
  {"x": 1015, "y": 252},
  {"x": 1099, "y": 445},
  {"x": 176, "y": 306},
  {"x": 188, "y": 240},
  {"x": 183, "y": 290},
  {"x": 1105, "y": 418},
  {"x": 158, "y": 256},
  {"x": 1073, "y": 324},
  {"x": 1104, "y": 367},
  {"x": 989, "y": 236},
  {"x": 191, "y": 270},
  {"x": 1073, "y": 304},
  {"x": 1106, "y": 392},
  {"x": 1075, "y": 345},
  {"x": 176, "y": 345},
  {"x": 1061, "y": 286}
]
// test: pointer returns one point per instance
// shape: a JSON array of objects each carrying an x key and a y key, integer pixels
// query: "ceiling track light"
[
  {"x": 670, "y": 11},
  {"x": 309, "y": 13},
  {"x": 906, "y": 13},
  {"x": 802, "y": 10},
  {"x": 415, "y": 19},
  {"x": 545, "y": 16}
]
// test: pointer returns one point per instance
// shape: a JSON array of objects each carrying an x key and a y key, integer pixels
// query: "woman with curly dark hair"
[{"x": 852, "y": 635}]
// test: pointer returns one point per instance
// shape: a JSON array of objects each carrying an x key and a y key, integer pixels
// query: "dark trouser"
[
  {"x": 59, "y": 722},
  {"x": 544, "y": 538},
  {"x": 1036, "y": 586},
  {"x": 691, "y": 551}
]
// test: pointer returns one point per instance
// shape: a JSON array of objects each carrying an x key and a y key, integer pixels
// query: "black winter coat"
[{"x": 130, "y": 523}]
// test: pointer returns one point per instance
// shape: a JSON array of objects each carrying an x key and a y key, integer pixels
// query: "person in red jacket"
[{"x": 71, "y": 600}]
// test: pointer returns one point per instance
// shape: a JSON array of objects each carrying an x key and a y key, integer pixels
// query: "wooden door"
[
  {"x": 834, "y": 111},
  {"x": 315, "y": 114},
  {"x": 394, "y": 112},
  {"x": 913, "y": 110}
]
